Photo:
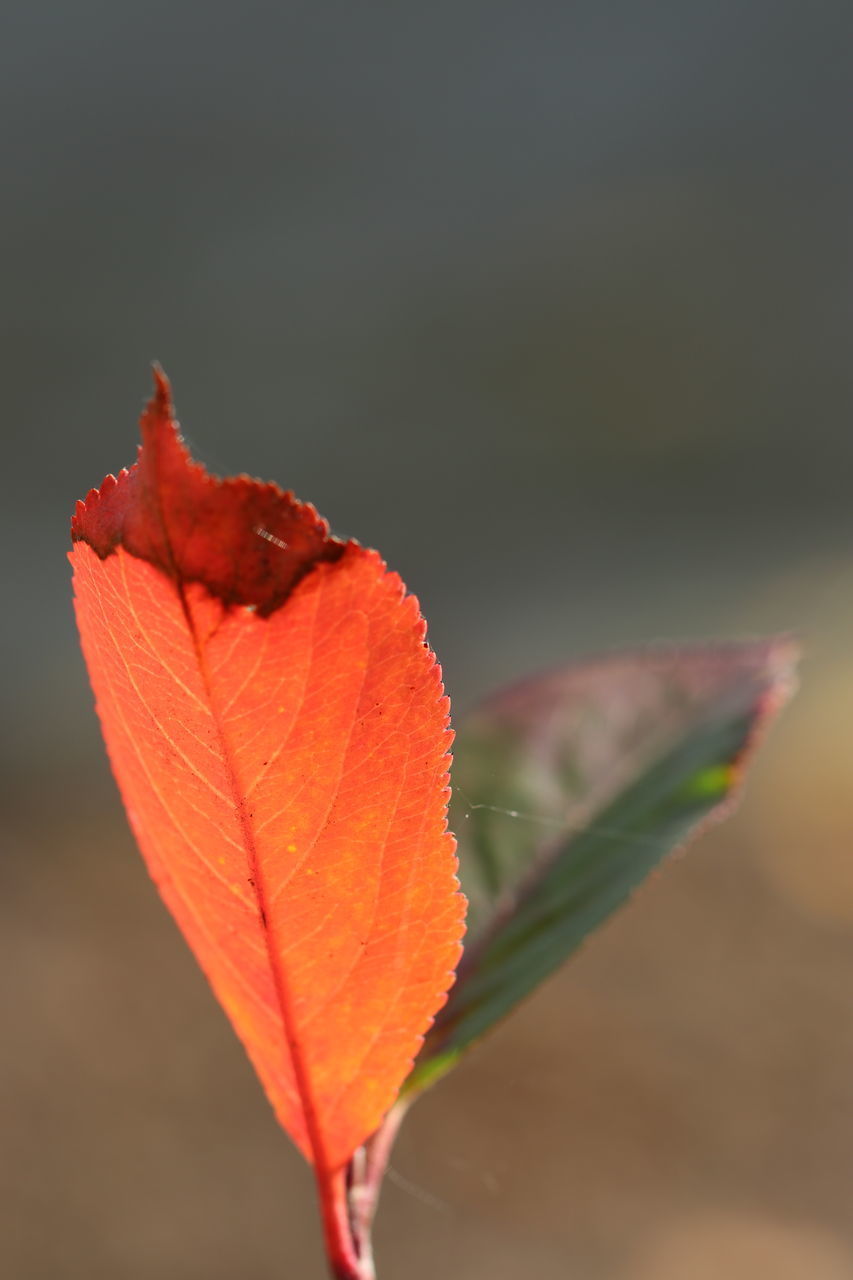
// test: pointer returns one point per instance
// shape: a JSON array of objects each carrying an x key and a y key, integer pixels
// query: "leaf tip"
[
  {"x": 784, "y": 654},
  {"x": 162, "y": 398},
  {"x": 158, "y": 423}
]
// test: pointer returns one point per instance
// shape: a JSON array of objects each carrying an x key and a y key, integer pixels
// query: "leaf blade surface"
[
  {"x": 570, "y": 788},
  {"x": 279, "y": 734}
]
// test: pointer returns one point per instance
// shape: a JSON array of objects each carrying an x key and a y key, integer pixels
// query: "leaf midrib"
[{"x": 257, "y": 879}]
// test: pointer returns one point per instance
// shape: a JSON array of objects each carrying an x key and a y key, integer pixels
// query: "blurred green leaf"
[{"x": 570, "y": 788}]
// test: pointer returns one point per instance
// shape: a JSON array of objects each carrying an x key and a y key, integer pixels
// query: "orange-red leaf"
[{"x": 278, "y": 730}]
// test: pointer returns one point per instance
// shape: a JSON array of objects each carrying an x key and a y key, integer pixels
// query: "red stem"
[
  {"x": 366, "y": 1172},
  {"x": 345, "y": 1260}
]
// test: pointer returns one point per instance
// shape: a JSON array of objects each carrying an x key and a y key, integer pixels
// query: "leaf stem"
[
  {"x": 364, "y": 1183},
  {"x": 345, "y": 1260}
]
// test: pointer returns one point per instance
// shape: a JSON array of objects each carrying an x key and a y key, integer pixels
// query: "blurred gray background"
[{"x": 551, "y": 302}]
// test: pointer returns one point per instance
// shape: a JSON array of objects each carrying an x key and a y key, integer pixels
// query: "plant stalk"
[
  {"x": 344, "y": 1258},
  {"x": 364, "y": 1184}
]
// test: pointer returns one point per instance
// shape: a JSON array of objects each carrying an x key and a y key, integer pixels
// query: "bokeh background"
[{"x": 552, "y": 303}]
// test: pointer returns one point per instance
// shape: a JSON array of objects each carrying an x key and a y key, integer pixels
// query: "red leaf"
[{"x": 279, "y": 734}]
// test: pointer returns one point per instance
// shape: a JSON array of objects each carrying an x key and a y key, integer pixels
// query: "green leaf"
[{"x": 569, "y": 789}]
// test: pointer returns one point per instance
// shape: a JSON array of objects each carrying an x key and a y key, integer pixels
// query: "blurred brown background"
[{"x": 551, "y": 302}]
